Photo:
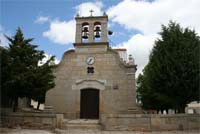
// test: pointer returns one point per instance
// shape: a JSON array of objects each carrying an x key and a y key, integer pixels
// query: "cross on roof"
[{"x": 91, "y": 11}]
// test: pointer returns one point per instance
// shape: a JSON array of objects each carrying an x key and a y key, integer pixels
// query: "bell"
[
  {"x": 97, "y": 29},
  {"x": 97, "y": 35},
  {"x": 97, "y": 32},
  {"x": 85, "y": 29},
  {"x": 110, "y": 32},
  {"x": 85, "y": 33}
]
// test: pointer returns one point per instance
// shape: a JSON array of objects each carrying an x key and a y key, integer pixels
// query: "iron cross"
[{"x": 91, "y": 11}]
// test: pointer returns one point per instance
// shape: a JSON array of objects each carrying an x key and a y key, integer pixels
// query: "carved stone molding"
[{"x": 89, "y": 83}]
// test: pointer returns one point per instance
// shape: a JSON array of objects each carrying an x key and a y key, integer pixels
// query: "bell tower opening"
[
  {"x": 85, "y": 32},
  {"x": 91, "y": 29},
  {"x": 97, "y": 32}
]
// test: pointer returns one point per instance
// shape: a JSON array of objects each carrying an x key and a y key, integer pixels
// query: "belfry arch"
[
  {"x": 85, "y": 31},
  {"x": 97, "y": 32}
]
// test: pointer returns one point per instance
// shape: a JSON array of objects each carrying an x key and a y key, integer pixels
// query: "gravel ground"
[{"x": 80, "y": 131}]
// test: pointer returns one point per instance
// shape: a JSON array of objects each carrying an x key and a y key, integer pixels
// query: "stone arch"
[
  {"x": 85, "y": 32},
  {"x": 97, "y": 31},
  {"x": 97, "y": 23},
  {"x": 85, "y": 23}
]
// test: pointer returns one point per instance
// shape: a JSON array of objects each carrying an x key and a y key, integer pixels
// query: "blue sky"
[
  {"x": 23, "y": 13},
  {"x": 135, "y": 23}
]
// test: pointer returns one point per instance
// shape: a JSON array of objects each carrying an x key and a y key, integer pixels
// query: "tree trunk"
[
  {"x": 28, "y": 102},
  {"x": 10, "y": 102},
  {"x": 15, "y": 107},
  {"x": 38, "y": 105},
  {"x": 166, "y": 110},
  {"x": 181, "y": 110}
]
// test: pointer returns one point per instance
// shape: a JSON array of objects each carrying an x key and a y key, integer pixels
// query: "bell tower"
[{"x": 91, "y": 29}]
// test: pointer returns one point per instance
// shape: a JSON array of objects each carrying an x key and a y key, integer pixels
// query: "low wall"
[
  {"x": 31, "y": 120},
  {"x": 127, "y": 122},
  {"x": 150, "y": 122}
]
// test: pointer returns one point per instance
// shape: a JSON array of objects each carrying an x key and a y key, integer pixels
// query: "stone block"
[
  {"x": 28, "y": 120},
  {"x": 47, "y": 121}
]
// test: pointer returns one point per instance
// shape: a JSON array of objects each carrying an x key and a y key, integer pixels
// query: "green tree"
[
  {"x": 21, "y": 75},
  {"x": 4, "y": 77},
  {"x": 172, "y": 74},
  {"x": 151, "y": 100},
  {"x": 43, "y": 81}
]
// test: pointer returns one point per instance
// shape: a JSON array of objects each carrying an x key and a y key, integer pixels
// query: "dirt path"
[{"x": 80, "y": 131}]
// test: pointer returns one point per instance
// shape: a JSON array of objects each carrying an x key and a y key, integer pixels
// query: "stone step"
[
  {"x": 135, "y": 110},
  {"x": 48, "y": 109},
  {"x": 81, "y": 124}
]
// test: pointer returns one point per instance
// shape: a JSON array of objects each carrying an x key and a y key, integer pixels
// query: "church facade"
[{"x": 93, "y": 79}]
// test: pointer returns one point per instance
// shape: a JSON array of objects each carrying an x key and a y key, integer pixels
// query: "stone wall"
[
  {"x": 150, "y": 122},
  {"x": 37, "y": 120},
  {"x": 119, "y": 122}
]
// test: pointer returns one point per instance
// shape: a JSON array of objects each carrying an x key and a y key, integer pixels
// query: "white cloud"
[
  {"x": 84, "y": 8},
  {"x": 3, "y": 40},
  {"x": 147, "y": 17},
  {"x": 42, "y": 20},
  {"x": 139, "y": 46},
  {"x": 61, "y": 32},
  {"x": 47, "y": 57}
]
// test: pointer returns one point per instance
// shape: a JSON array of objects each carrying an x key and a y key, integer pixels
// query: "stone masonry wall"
[
  {"x": 38, "y": 120},
  {"x": 112, "y": 77},
  {"x": 111, "y": 122},
  {"x": 148, "y": 122}
]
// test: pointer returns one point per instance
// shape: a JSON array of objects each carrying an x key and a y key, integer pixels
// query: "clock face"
[{"x": 90, "y": 60}]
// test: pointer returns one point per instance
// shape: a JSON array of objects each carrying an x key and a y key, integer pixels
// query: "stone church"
[{"x": 93, "y": 79}]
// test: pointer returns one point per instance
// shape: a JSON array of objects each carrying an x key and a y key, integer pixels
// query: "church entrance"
[{"x": 89, "y": 108}]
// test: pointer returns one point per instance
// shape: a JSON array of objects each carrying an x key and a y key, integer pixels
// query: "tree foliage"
[
  {"x": 171, "y": 78},
  {"x": 21, "y": 74}
]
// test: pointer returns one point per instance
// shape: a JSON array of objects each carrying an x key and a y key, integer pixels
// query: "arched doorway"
[{"x": 89, "y": 108}]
